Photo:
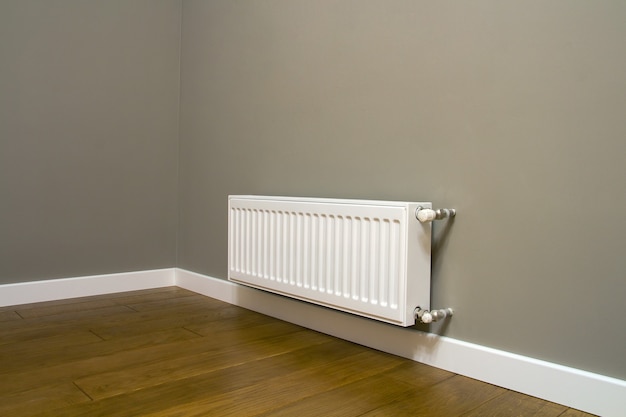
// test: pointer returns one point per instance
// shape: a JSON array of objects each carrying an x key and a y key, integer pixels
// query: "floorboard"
[{"x": 171, "y": 352}]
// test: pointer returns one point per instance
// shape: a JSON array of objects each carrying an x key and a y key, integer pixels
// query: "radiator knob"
[
  {"x": 426, "y": 215},
  {"x": 426, "y": 317}
]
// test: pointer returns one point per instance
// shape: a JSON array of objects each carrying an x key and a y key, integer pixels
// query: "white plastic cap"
[
  {"x": 426, "y": 215},
  {"x": 426, "y": 317}
]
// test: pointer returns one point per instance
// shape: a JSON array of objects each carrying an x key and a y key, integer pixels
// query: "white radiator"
[{"x": 370, "y": 258}]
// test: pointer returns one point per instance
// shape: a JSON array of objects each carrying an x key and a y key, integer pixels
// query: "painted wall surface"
[
  {"x": 88, "y": 137},
  {"x": 511, "y": 112}
]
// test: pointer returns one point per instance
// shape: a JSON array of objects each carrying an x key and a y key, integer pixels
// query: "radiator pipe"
[
  {"x": 425, "y": 215},
  {"x": 426, "y": 316}
]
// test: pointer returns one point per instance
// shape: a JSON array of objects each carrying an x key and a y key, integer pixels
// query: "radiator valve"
[
  {"x": 426, "y": 215},
  {"x": 426, "y": 316}
]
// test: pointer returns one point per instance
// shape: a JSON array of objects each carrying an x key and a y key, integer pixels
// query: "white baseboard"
[
  {"x": 571, "y": 387},
  {"x": 57, "y": 289}
]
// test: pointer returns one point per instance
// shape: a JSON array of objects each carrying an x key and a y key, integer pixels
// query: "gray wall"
[
  {"x": 88, "y": 136},
  {"x": 512, "y": 112}
]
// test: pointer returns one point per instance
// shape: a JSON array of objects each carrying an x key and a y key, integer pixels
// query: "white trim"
[
  {"x": 57, "y": 289},
  {"x": 587, "y": 391}
]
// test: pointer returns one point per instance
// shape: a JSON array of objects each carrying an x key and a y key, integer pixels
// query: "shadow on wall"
[
  {"x": 438, "y": 248},
  {"x": 439, "y": 244}
]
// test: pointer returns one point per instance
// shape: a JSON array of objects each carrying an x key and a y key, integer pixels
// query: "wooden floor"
[{"x": 171, "y": 352}]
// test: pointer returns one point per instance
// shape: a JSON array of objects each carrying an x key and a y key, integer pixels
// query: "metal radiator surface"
[{"x": 370, "y": 258}]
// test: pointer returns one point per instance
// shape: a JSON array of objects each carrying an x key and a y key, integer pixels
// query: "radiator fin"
[{"x": 319, "y": 252}]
